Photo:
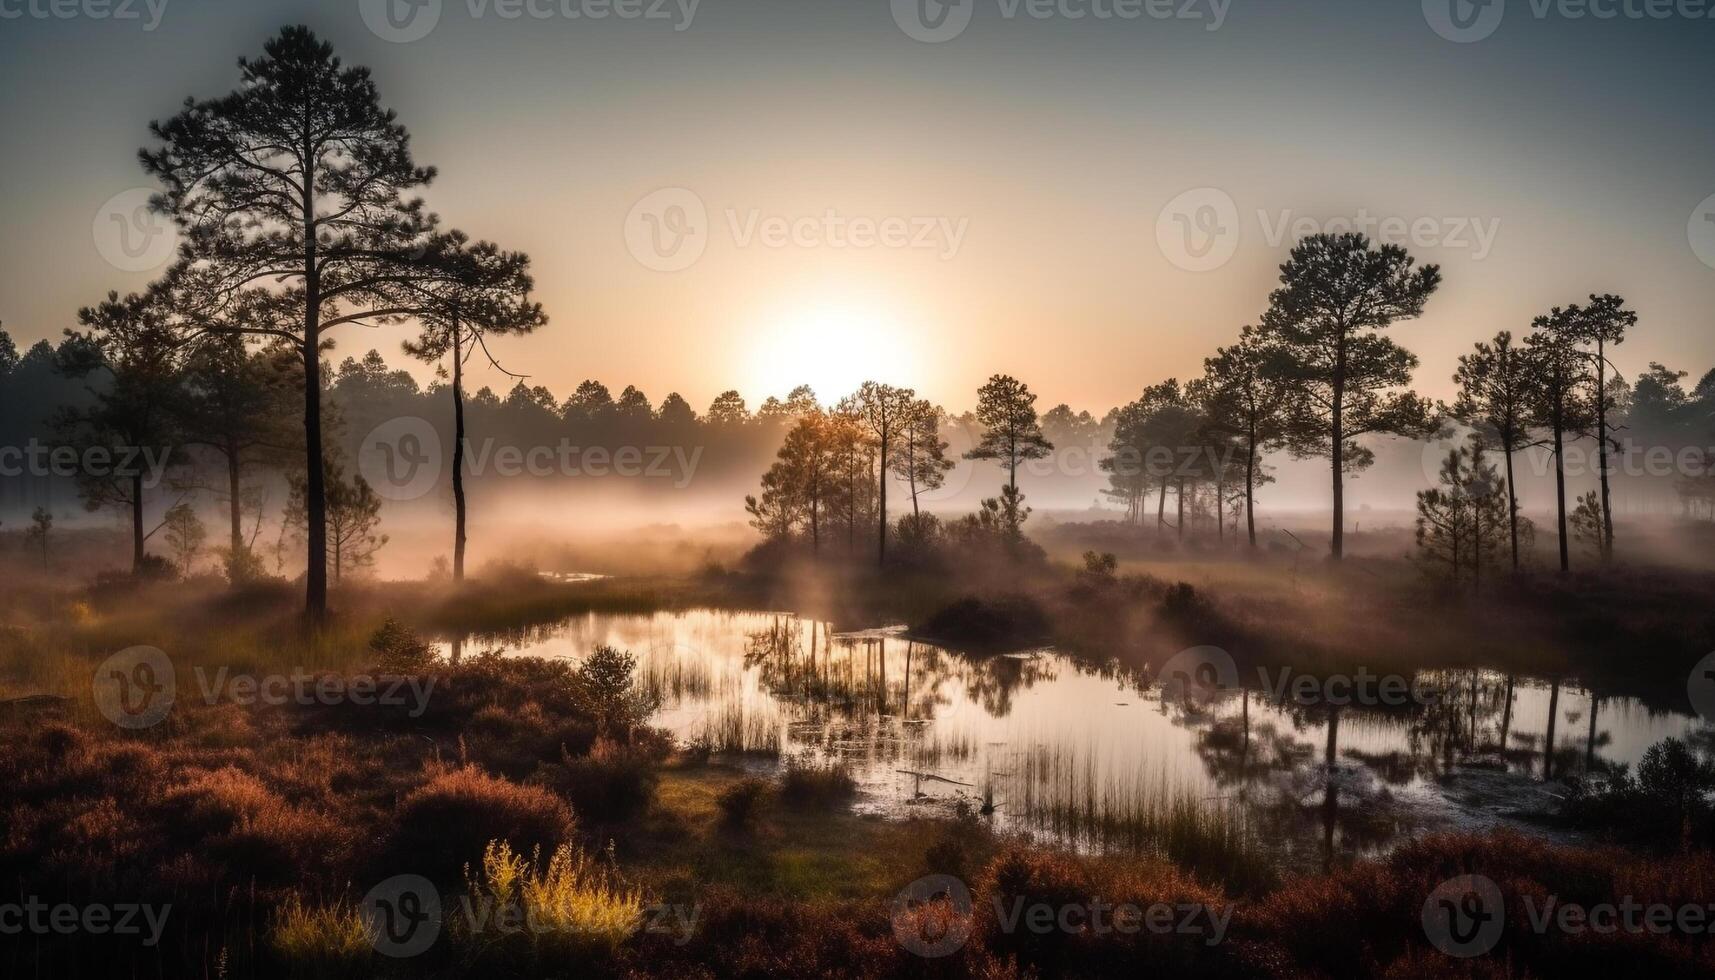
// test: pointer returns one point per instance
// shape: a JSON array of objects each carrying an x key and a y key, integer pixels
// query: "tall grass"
[
  {"x": 572, "y": 903},
  {"x": 733, "y": 729},
  {"x": 1065, "y": 794}
]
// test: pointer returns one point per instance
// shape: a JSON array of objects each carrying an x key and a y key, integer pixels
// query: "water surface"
[{"x": 1051, "y": 743}]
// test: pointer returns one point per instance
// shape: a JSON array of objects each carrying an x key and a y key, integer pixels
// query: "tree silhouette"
[
  {"x": 1006, "y": 408},
  {"x": 921, "y": 460},
  {"x": 353, "y": 511},
  {"x": 298, "y": 178},
  {"x": 884, "y": 411},
  {"x": 727, "y": 409},
  {"x": 479, "y": 291},
  {"x": 675, "y": 410},
  {"x": 1459, "y": 522},
  {"x": 1322, "y": 324},
  {"x": 1496, "y": 387},
  {"x": 128, "y": 355},
  {"x": 1603, "y": 324},
  {"x": 1247, "y": 401},
  {"x": 1558, "y": 402},
  {"x": 238, "y": 405}
]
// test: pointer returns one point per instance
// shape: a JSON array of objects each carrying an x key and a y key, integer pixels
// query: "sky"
[{"x": 1090, "y": 195}]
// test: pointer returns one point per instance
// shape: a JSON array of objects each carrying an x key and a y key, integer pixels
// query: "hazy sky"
[{"x": 1009, "y": 183}]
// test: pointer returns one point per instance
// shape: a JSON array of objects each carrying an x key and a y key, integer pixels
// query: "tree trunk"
[
  {"x": 1602, "y": 448},
  {"x": 1548, "y": 742},
  {"x": 881, "y": 503},
  {"x": 315, "y": 487},
  {"x": 911, "y": 468},
  {"x": 1179, "y": 502},
  {"x": 1512, "y": 503},
  {"x": 1338, "y": 546},
  {"x": 137, "y": 524},
  {"x": 1250, "y": 487},
  {"x": 234, "y": 481},
  {"x": 458, "y": 454},
  {"x": 1590, "y": 740},
  {"x": 1560, "y": 491}
]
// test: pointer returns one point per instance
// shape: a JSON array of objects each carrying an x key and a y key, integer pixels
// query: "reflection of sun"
[{"x": 833, "y": 348}]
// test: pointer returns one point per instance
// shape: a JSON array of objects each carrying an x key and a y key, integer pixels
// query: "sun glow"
[{"x": 833, "y": 347}]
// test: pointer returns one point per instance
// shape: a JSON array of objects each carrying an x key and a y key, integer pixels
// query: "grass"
[
  {"x": 571, "y": 904},
  {"x": 1063, "y": 794}
]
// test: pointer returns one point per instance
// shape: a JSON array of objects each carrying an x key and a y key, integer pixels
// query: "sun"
[{"x": 833, "y": 347}]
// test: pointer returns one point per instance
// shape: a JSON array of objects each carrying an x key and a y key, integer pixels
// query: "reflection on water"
[{"x": 1089, "y": 752}]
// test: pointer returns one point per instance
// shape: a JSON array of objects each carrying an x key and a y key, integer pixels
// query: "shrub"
[
  {"x": 988, "y": 623},
  {"x": 322, "y": 940},
  {"x": 604, "y": 690},
  {"x": 572, "y": 906},
  {"x": 817, "y": 786},
  {"x": 399, "y": 650},
  {"x": 451, "y": 819},
  {"x": 742, "y": 802},
  {"x": 613, "y": 782}
]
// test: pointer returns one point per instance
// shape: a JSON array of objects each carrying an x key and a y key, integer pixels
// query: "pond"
[{"x": 1096, "y": 755}]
